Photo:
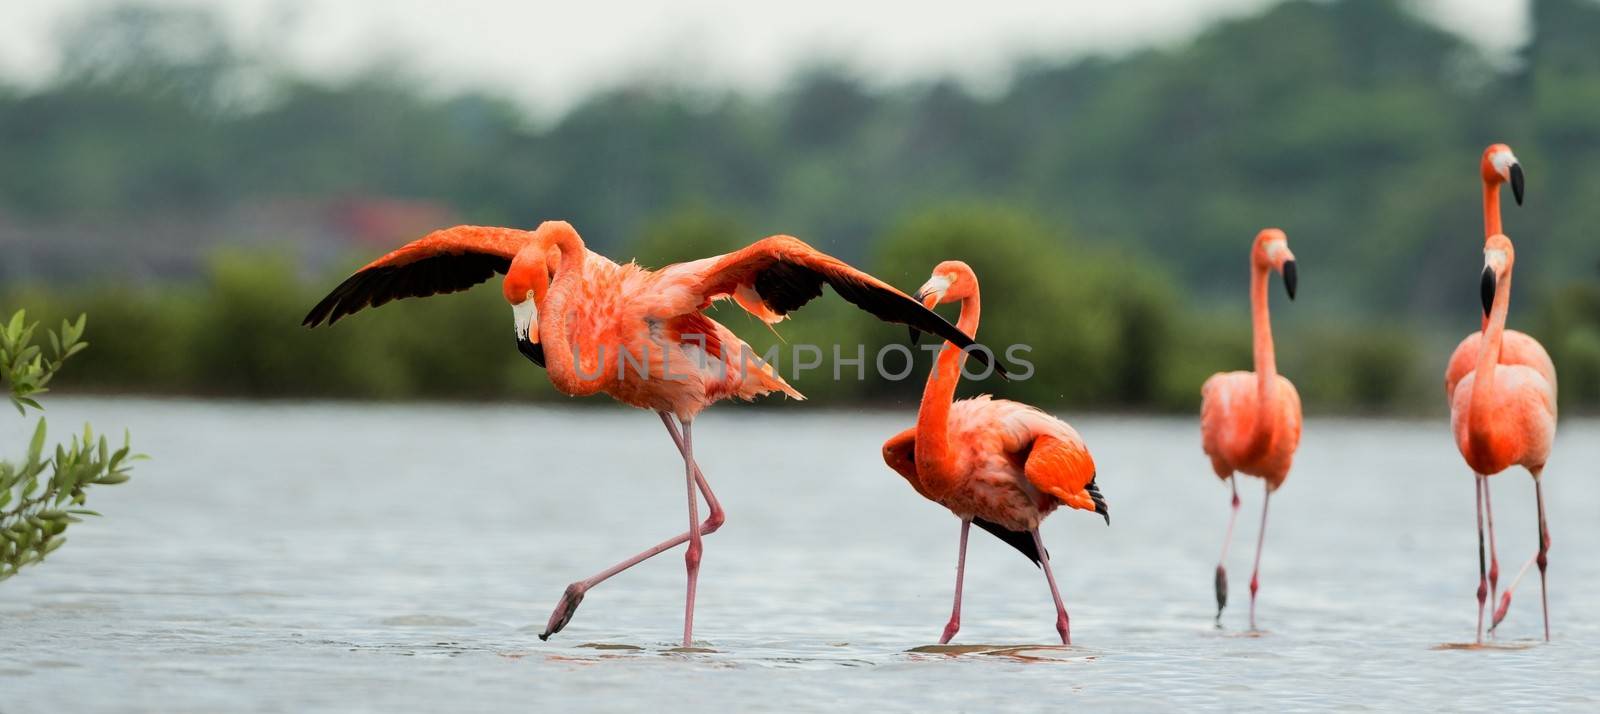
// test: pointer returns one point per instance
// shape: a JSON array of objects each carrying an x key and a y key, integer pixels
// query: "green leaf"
[{"x": 36, "y": 447}]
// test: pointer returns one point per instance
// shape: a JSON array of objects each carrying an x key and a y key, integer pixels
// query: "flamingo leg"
[
  {"x": 1483, "y": 570},
  {"x": 1063, "y": 623},
  {"x": 691, "y": 557},
  {"x": 575, "y": 592},
  {"x": 1544, "y": 552},
  {"x": 954, "y": 625},
  {"x": 1494, "y": 552},
  {"x": 1541, "y": 558},
  {"x": 1261, "y": 539},
  {"x": 1222, "y": 573}
]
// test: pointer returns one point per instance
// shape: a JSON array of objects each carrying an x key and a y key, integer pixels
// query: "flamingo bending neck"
[
  {"x": 933, "y": 416},
  {"x": 1266, "y": 363},
  {"x": 561, "y": 362}
]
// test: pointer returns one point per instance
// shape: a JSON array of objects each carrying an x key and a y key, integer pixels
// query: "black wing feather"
[
  {"x": 786, "y": 286},
  {"x": 430, "y": 276},
  {"x": 1020, "y": 540}
]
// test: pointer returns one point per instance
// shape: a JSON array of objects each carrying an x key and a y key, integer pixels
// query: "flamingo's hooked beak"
[
  {"x": 1291, "y": 277},
  {"x": 1486, "y": 289},
  {"x": 1510, "y": 169},
  {"x": 532, "y": 350},
  {"x": 525, "y": 315},
  {"x": 932, "y": 291},
  {"x": 929, "y": 295}
]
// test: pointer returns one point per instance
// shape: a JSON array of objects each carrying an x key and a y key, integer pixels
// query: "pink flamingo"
[
  {"x": 996, "y": 462},
  {"x": 1497, "y": 167},
  {"x": 637, "y": 335},
  {"x": 1504, "y": 415},
  {"x": 1250, "y": 422}
]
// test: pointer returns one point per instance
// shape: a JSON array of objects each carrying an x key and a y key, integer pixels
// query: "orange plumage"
[
  {"x": 995, "y": 462},
  {"x": 637, "y": 335},
  {"x": 1250, "y": 421},
  {"x": 1503, "y": 415}
]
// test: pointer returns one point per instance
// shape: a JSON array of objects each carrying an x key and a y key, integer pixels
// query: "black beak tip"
[
  {"x": 916, "y": 335},
  {"x": 1291, "y": 278},
  {"x": 1486, "y": 290},
  {"x": 1516, "y": 183},
  {"x": 534, "y": 351}
]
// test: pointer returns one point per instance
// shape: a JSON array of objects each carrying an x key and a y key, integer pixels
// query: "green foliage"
[
  {"x": 1573, "y": 315},
  {"x": 27, "y": 369},
  {"x": 1098, "y": 320},
  {"x": 41, "y": 496},
  {"x": 687, "y": 233}
]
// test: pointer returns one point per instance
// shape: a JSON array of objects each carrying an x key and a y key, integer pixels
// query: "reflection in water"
[{"x": 385, "y": 557}]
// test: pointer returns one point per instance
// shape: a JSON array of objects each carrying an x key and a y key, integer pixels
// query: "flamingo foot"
[
  {"x": 1064, "y": 627},
  {"x": 564, "y": 609},
  {"x": 1500, "y": 611}
]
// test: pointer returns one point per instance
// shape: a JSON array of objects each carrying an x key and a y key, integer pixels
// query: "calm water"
[{"x": 346, "y": 558}]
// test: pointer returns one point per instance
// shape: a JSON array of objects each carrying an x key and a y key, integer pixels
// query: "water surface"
[{"x": 383, "y": 557}]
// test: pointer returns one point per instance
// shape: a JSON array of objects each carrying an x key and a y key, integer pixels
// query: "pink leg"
[
  {"x": 575, "y": 592},
  {"x": 1544, "y": 552},
  {"x": 691, "y": 557},
  {"x": 1063, "y": 624},
  {"x": 954, "y": 625},
  {"x": 1494, "y": 557},
  {"x": 1483, "y": 571},
  {"x": 1541, "y": 559},
  {"x": 1222, "y": 573},
  {"x": 1255, "y": 577}
]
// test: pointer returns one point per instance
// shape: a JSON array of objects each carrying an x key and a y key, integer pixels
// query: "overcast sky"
[{"x": 549, "y": 53}]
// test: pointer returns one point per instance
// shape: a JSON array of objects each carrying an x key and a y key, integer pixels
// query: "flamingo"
[
  {"x": 994, "y": 462},
  {"x": 1250, "y": 421},
  {"x": 637, "y": 335},
  {"x": 1497, "y": 167},
  {"x": 1504, "y": 415}
]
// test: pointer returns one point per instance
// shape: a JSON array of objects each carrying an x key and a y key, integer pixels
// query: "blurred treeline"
[{"x": 1107, "y": 203}]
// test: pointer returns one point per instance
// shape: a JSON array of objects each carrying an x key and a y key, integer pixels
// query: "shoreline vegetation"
[{"x": 196, "y": 196}]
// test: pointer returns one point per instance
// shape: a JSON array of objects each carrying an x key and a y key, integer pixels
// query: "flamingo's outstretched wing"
[
  {"x": 775, "y": 276},
  {"x": 1064, "y": 469},
  {"x": 444, "y": 261}
]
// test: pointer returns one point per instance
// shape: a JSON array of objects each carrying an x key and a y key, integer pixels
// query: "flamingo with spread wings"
[
  {"x": 994, "y": 462},
  {"x": 637, "y": 335}
]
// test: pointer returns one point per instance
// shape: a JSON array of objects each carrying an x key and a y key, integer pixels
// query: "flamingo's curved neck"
[
  {"x": 1266, "y": 362},
  {"x": 1491, "y": 209},
  {"x": 1491, "y": 221},
  {"x": 561, "y": 363},
  {"x": 1489, "y": 353},
  {"x": 933, "y": 416}
]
